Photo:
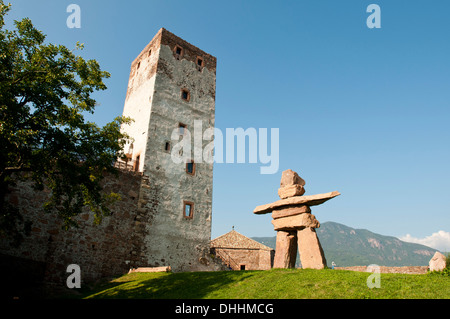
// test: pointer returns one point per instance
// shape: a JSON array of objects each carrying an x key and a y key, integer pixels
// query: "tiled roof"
[{"x": 233, "y": 239}]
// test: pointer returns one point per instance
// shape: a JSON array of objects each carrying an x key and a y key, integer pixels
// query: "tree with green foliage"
[{"x": 44, "y": 91}]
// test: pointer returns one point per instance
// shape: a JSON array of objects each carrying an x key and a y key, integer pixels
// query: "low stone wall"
[
  {"x": 104, "y": 250},
  {"x": 390, "y": 270}
]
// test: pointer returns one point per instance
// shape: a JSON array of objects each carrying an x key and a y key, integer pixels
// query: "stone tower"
[{"x": 171, "y": 85}]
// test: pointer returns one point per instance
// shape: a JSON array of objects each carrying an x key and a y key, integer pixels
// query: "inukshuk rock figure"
[{"x": 294, "y": 223}]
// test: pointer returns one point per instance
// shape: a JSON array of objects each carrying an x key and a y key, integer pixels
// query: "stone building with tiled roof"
[{"x": 239, "y": 252}]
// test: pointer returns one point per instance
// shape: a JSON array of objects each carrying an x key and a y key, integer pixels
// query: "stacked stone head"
[{"x": 294, "y": 223}]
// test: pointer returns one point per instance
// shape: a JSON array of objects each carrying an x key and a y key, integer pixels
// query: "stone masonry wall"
[
  {"x": 103, "y": 250},
  {"x": 252, "y": 259}
]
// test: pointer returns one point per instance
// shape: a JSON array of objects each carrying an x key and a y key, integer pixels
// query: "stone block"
[
  {"x": 290, "y": 211},
  {"x": 286, "y": 250},
  {"x": 151, "y": 269},
  {"x": 310, "y": 200},
  {"x": 310, "y": 250},
  {"x": 290, "y": 191},
  {"x": 295, "y": 222},
  {"x": 438, "y": 262},
  {"x": 289, "y": 177}
]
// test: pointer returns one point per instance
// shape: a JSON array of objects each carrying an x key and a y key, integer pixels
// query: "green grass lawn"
[{"x": 271, "y": 284}]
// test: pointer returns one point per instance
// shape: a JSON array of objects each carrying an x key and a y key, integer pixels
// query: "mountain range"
[{"x": 348, "y": 246}]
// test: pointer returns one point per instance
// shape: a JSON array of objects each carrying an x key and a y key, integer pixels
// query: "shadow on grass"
[{"x": 188, "y": 285}]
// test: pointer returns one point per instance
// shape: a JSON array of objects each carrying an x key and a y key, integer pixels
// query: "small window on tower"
[
  {"x": 199, "y": 63},
  {"x": 185, "y": 95},
  {"x": 167, "y": 147},
  {"x": 181, "y": 128},
  {"x": 139, "y": 64},
  {"x": 190, "y": 168},
  {"x": 178, "y": 52},
  {"x": 188, "y": 209},
  {"x": 149, "y": 52}
]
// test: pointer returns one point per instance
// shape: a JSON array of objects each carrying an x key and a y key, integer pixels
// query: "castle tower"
[{"x": 171, "y": 85}]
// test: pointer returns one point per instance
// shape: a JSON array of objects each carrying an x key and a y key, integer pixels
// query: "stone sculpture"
[
  {"x": 294, "y": 223},
  {"x": 438, "y": 262}
]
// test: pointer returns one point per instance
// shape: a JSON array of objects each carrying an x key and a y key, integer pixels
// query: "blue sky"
[{"x": 362, "y": 111}]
